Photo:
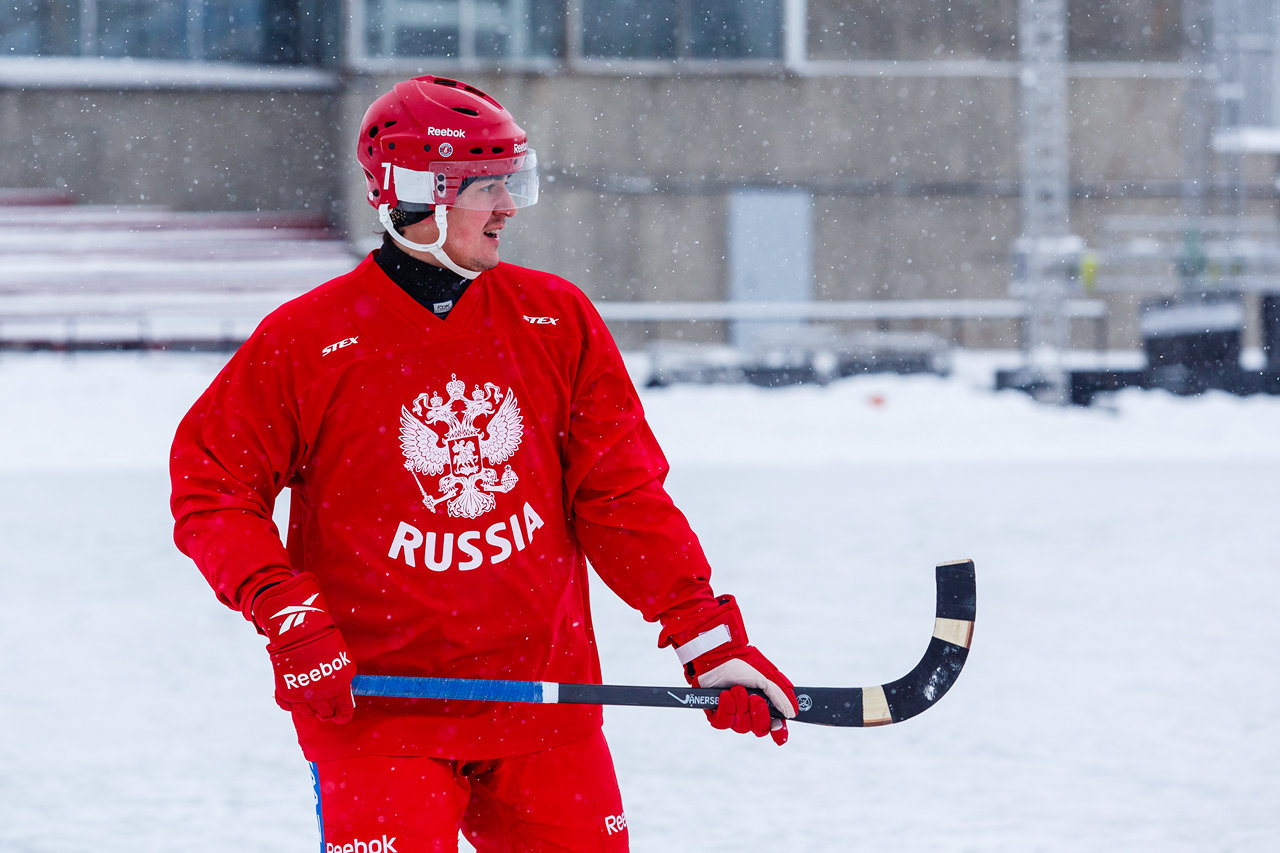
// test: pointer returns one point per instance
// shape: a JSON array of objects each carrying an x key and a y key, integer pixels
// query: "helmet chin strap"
[{"x": 436, "y": 249}]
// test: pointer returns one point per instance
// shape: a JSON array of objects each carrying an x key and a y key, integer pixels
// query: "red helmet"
[{"x": 420, "y": 142}]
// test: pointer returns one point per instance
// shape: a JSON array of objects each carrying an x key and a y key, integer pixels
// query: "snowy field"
[{"x": 1121, "y": 694}]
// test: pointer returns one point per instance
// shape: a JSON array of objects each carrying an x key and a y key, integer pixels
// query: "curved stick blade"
[{"x": 926, "y": 683}]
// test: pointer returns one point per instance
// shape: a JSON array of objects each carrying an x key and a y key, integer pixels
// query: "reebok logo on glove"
[
  {"x": 313, "y": 666},
  {"x": 294, "y": 615},
  {"x": 293, "y": 679}
]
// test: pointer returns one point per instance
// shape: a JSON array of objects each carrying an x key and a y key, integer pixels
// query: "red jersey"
[{"x": 449, "y": 481}]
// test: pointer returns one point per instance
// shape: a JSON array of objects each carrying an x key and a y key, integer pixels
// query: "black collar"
[{"x": 434, "y": 288}]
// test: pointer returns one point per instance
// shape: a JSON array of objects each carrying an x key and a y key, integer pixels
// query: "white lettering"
[
  {"x": 466, "y": 545},
  {"x": 469, "y": 549},
  {"x": 446, "y": 131},
  {"x": 515, "y": 533},
  {"x": 494, "y": 537},
  {"x": 294, "y": 679},
  {"x": 407, "y": 538},
  {"x": 342, "y": 344},
  {"x": 615, "y": 823},
  {"x": 446, "y": 552},
  {"x": 375, "y": 845},
  {"x": 520, "y": 147},
  {"x": 532, "y": 521}
]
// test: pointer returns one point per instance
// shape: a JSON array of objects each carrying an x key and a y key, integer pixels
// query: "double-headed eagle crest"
[{"x": 460, "y": 450}]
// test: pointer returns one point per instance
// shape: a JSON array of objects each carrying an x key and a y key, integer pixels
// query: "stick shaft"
[{"x": 881, "y": 704}]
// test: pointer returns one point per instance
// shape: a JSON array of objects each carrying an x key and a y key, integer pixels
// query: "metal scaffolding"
[
  {"x": 1231, "y": 112},
  {"x": 1201, "y": 268},
  {"x": 1047, "y": 253}
]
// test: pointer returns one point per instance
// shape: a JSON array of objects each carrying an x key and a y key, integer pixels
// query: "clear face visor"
[{"x": 510, "y": 182}]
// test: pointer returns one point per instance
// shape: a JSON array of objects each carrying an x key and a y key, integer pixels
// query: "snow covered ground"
[{"x": 1121, "y": 694}]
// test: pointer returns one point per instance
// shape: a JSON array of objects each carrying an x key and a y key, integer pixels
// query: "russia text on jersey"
[{"x": 475, "y": 548}]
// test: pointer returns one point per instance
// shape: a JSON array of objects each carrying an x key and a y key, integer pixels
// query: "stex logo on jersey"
[
  {"x": 342, "y": 344},
  {"x": 295, "y": 613},
  {"x": 454, "y": 438}
]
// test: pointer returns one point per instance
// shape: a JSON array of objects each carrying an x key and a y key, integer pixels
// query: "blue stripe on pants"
[{"x": 315, "y": 781}]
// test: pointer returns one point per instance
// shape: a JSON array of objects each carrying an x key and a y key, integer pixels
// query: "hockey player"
[{"x": 460, "y": 437}]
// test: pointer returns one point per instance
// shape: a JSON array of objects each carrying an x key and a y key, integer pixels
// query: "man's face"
[{"x": 472, "y": 237}]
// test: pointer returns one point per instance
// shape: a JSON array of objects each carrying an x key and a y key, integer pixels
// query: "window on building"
[
  {"x": 1124, "y": 30},
  {"x": 913, "y": 30},
  {"x": 538, "y": 29},
  {"x": 682, "y": 29},
  {"x": 925, "y": 30},
  {"x": 464, "y": 29},
  {"x": 39, "y": 27},
  {"x": 253, "y": 31},
  {"x": 138, "y": 28}
]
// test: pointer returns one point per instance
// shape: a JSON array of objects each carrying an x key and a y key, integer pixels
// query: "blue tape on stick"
[{"x": 476, "y": 689}]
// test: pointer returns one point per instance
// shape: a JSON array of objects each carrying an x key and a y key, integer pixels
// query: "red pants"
[{"x": 564, "y": 800}]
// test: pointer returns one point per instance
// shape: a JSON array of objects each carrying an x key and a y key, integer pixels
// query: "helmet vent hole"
[
  {"x": 370, "y": 150},
  {"x": 391, "y": 146},
  {"x": 427, "y": 148},
  {"x": 498, "y": 149},
  {"x": 387, "y": 125},
  {"x": 477, "y": 150},
  {"x": 373, "y": 131},
  {"x": 466, "y": 111}
]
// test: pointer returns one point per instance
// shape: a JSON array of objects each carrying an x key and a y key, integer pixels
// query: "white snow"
[{"x": 1121, "y": 694}]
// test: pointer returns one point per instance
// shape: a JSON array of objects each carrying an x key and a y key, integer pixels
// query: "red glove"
[
  {"x": 312, "y": 664},
  {"x": 712, "y": 645}
]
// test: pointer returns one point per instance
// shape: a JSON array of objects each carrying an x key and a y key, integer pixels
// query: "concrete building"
[{"x": 879, "y": 138}]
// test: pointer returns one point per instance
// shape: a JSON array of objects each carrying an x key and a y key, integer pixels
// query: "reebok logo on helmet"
[{"x": 446, "y": 131}]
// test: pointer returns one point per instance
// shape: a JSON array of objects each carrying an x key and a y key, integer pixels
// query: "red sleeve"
[
  {"x": 233, "y": 453},
  {"x": 639, "y": 543}
]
